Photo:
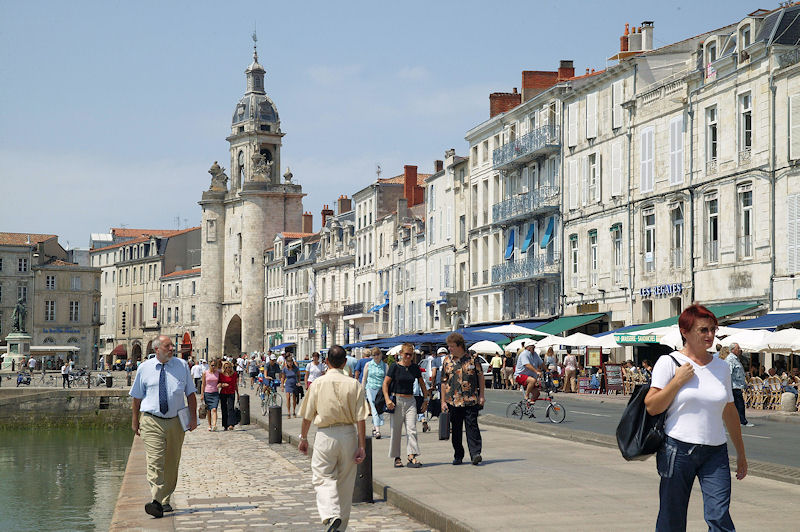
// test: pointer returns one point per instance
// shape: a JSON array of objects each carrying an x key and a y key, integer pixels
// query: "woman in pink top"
[{"x": 210, "y": 387}]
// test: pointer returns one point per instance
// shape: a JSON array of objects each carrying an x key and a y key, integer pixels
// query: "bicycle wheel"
[
  {"x": 556, "y": 413},
  {"x": 515, "y": 410},
  {"x": 275, "y": 399},
  {"x": 264, "y": 405}
]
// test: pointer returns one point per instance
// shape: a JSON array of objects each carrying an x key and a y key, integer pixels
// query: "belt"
[
  {"x": 337, "y": 425},
  {"x": 159, "y": 417}
]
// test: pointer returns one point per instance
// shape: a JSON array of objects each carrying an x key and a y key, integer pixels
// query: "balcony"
[
  {"x": 528, "y": 146},
  {"x": 620, "y": 277},
  {"x": 532, "y": 267},
  {"x": 745, "y": 156},
  {"x": 676, "y": 258},
  {"x": 98, "y": 320},
  {"x": 374, "y": 329},
  {"x": 526, "y": 205},
  {"x": 329, "y": 308},
  {"x": 711, "y": 166},
  {"x": 354, "y": 308}
]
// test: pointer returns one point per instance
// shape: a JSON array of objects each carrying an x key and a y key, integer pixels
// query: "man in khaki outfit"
[
  {"x": 158, "y": 394},
  {"x": 336, "y": 405}
]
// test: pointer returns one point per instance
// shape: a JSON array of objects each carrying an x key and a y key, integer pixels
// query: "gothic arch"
[
  {"x": 233, "y": 338},
  {"x": 136, "y": 352}
]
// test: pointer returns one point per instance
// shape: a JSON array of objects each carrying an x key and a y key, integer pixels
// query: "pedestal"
[{"x": 19, "y": 349}]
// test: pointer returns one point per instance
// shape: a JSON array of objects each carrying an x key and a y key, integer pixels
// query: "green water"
[{"x": 61, "y": 479}]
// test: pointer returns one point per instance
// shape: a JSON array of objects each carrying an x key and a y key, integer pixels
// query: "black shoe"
[
  {"x": 333, "y": 524},
  {"x": 458, "y": 461},
  {"x": 154, "y": 508},
  {"x": 476, "y": 459},
  {"x": 167, "y": 508}
]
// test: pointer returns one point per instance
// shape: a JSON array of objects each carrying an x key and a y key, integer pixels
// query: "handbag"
[
  {"x": 202, "y": 411},
  {"x": 638, "y": 433}
]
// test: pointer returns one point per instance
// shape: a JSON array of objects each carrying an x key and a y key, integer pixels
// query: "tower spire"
[{"x": 255, "y": 41}]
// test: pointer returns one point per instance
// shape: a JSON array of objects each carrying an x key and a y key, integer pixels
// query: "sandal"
[
  {"x": 398, "y": 462},
  {"x": 425, "y": 427},
  {"x": 377, "y": 435},
  {"x": 413, "y": 462}
]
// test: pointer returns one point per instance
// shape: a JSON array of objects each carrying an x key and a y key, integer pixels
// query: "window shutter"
[
  {"x": 616, "y": 104},
  {"x": 449, "y": 222},
  {"x": 794, "y": 127},
  {"x": 591, "y": 115},
  {"x": 792, "y": 234},
  {"x": 676, "y": 151},
  {"x": 599, "y": 184},
  {"x": 585, "y": 184},
  {"x": 524, "y": 184},
  {"x": 572, "y": 111},
  {"x": 646, "y": 160},
  {"x": 573, "y": 184},
  {"x": 616, "y": 168}
]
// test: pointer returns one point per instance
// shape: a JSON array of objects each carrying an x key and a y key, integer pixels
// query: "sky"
[{"x": 112, "y": 112}]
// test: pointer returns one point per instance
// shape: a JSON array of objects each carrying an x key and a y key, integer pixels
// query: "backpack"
[{"x": 639, "y": 434}]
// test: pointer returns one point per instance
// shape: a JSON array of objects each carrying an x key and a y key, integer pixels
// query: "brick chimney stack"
[
  {"x": 566, "y": 70},
  {"x": 308, "y": 222},
  {"x": 344, "y": 204},
  {"x": 411, "y": 189},
  {"x": 536, "y": 81},
  {"x": 623, "y": 40},
  {"x": 501, "y": 102},
  {"x": 438, "y": 166},
  {"x": 326, "y": 211}
]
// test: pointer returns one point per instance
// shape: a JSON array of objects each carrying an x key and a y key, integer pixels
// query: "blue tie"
[{"x": 162, "y": 391}]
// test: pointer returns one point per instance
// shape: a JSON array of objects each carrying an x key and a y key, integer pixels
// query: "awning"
[
  {"x": 510, "y": 245},
  {"x": 567, "y": 323},
  {"x": 528, "y": 238},
  {"x": 720, "y": 311},
  {"x": 281, "y": 346},
  {"x": 376, "y": 308},
  {"x": 769, "y": 321},
  {"x": 548, "y": 234},
  {"x": 119, "y": 351}
]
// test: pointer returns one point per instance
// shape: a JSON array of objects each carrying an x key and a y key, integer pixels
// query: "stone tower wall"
[{"x": 213, "y": 264}]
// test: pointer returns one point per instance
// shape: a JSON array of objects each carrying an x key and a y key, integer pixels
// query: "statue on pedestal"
[
  {"x": 18, "y": 317},
  {"x": 219, "y": 181},
  {"x": 262, "y": 168}
]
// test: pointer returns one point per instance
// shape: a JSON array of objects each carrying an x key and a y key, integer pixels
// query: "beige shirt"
[{"x": 334, "y": 399}]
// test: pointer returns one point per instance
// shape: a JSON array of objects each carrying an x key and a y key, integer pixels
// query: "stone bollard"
[
  {"x": 362, "y": 491},
  {"x": 788, "y": 402},
  {"x": 275, "y": 421}
]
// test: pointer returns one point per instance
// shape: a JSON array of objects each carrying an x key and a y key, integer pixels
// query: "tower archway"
[
  {"x": 232, "y": 345},
  {"x": 136, "y": 352}
]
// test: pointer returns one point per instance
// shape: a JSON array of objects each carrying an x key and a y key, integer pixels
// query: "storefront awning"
[
  {"x": 720, "y": 311},
  {"x": 567, "y": 323},
  {"x": 281, "y": 346},
  {"x": 769, "y": 321},
  {"x": 119, "y": 351},
  {"x": 376, "y": 308}
]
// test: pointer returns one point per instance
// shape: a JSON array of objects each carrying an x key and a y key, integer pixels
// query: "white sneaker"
[{"x": 749, "y": 425}]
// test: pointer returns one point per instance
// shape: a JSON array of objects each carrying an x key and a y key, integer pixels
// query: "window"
[
  {"x": 74, "y": 311},
  {"x": 22, "y": 292},
  {"x": 484, "y": 151},
  {"x": 745, "y": 123},
  {"x": 676, "y": 220},
  {"x": 591, "y": 115},
  {"x": 431, "y": 232},
  {"x": 572, "y": 117},
  {"x": 474, "y": 156},
  {"x": 794, "y": 127},
  {"x": 22, "y": 265},
  {"x": 711, "y": 134},
  {"x": 712, "y": 228},
  {"x": 647, "y": 311},
  {"x": 193, "y": 313},
  {"x": 177, "y": 289},
  {"x": 616, "y": 241},
  {"x": 793, "y": 233},
  {"x": 462, "y": 228},
  {"x": 592, "y": 185},
  {"x": 134, "y": 315},
  {"x": 1, "y": 293},
  {"x": 649, "y": 217},
  {"x": 745, "y": 226},
  {"x": 676, "y": 151},
  {"x": 431, "y": 197},
  {"x": 176, "y": 314},
  {"x": 211, "y": 230},
  {"x": 50, "y": 282},
  {"x": 1, "y": 265},
  {"x": 75, "y": 283},
  {"x": 616, "y": 168},
  {"x": 49, "y": 311},
  {"x": 155, "y": 310},
  {"x": 573, "y": 248},
  {"x": 133, "y": 279},
  {"x": 194, "y": 288},
  {"x": 169, "y": 315},
  {"x": 593, "y": 258},
  {"x": 744, "y": 38},
  {"x": 647, "y": 160},
  {"x": 616, "y": 104},
  {"x": 711, "y": 52}
]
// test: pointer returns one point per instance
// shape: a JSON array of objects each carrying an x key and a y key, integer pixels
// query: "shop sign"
[
  {"x": 54, "y": 330},
  {"x": 613, "y": 377},
  {"x": 662, "y": 290},
  {"x": 623, "y": 338},
  {"x": 588, "y": 308}
]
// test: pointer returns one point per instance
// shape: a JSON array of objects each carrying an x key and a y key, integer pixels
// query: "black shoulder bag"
[{"x": 639, "y": 434}]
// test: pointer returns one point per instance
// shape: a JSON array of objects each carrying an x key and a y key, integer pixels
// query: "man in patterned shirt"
[{"x": 463, "y": 396}]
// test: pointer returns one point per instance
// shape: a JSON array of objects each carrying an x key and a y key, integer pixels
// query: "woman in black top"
[{"x": 400, "y": 379}]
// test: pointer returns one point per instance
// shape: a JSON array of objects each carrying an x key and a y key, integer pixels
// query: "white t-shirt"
[
  {"x": 315, "y": 370},
  {"x": 526, "y": 357},
  {"x": 695, "y": 415},
  {"x": 197, "y": 371},
  {"x": 240, "y": 363}
]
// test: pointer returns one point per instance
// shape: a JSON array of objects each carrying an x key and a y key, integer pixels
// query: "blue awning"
[
  {"x": 510, "y": 245},
  {"x": 441, "y": 301},
  {"x": 429, "y": 303},
  {"x": 376, "y": 308},
  {"x": 548, "y": 234},
  {"x": 281, "y": 346},
  {"x": 769, "y": 321},
  {"x": 528, "y": 238}
]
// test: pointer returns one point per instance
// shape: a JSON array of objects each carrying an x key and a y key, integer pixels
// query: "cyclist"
[
  {"x": 269, "y": 374},
  {"x": 528, "y": 371}
]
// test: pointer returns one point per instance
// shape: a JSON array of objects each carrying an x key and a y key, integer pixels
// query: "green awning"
[
  {"x": 720, "y": 311},
  {"x": 566, "y": 323}
]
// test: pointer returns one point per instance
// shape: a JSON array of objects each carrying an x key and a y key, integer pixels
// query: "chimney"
[
  {"x": 438, "y": 166},
  {"x": 536, "y": 81},
  {"x": 326, "y": 211},
  {"x": 344, "y": 204},
  {"x": 501, "y": 102},
  {"x": 402, "y": 209},
  {"x": 647, "y": 35},
  {"x": 635, "y": 41},
  {"x": 566, "y": 70},
  {"x": 308, "y": 222},
  {"x": 409, "y": 183},
  {"x": 623, "y": 40}
]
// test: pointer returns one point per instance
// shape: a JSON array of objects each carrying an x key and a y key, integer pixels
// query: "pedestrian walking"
[
  {"x": 314, "y": 369},
  {"x": 252, "y": 370},
  {"x": 508, "y": 371},
  {"x": 65, "y": 376},
  {"x": 162, "y": 387},
  {"x": 570, "y": 373},
  {"x": 374, "y": 373},
  {"x": 335, "y": 404},
  {"x": 228, "y": 391},
  {"x": 463, "y": 396},
  {"x": 497, "y": 370},
  {"x": 738, "y": 382},
  {"x": 289, "y": 380},
  {"x": 697, "y": 397},
  {"x": 210, "y": 387},
  {"x": 398, "y": 392},
  {"x": 197, "y": 375}
]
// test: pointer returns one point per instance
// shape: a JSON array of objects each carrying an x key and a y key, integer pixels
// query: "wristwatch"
[{"x": 302, "y": 438}]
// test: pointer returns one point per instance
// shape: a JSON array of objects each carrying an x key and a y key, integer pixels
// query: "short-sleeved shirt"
[
  {"x": 360, "y": 367},
  {"x": 403, "y": 377},
  {"x": 527, "y": 357},
  {"x": 178, "y": 382},
  {"x": 460, "y": 384},
  {"x": 497, "y": 362},
  {"x": 436, "y": 362},
  {"x": 272, "y": 370},
  {"x": 351, "y": 365},
  {"x": 695, "y": 415},
  {"x": 315, "y": 371},
  {"x": 197, "y": 371},
  {"x": 335, "y": 399}
]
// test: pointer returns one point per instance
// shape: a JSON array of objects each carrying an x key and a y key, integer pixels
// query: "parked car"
[{"x": 425, "y": 367}]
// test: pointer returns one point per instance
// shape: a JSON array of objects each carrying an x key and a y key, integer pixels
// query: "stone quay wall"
[{"x": 99, "y": 408}]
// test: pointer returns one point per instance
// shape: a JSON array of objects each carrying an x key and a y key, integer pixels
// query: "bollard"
[
  {"x": 109, "y": 381},
  {"x": 362, "y": 491},
  {"x": 244, "y": 408},
  {"x": 275, "y": 421},
  {"x": 129, "y": 379}
]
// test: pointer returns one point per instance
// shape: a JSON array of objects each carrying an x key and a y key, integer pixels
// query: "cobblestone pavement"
[{"x": 237, "y": 481}]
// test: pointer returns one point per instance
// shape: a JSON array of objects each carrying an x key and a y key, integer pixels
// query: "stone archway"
[
  {"x": 136, "y": 352},
  {"x": 232, "y": 344}
]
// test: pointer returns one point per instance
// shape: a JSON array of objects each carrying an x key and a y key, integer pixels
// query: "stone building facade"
[{"x": 178, "y": 312}]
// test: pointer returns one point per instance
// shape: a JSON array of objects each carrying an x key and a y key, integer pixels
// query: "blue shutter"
[
  {"x": 548, "y": 234},
  {"x": 510, "y": 245},
  {"x": 528, "y": 238}
]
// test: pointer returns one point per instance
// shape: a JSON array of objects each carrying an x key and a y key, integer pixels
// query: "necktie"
[{"x": 162, "y": 391}]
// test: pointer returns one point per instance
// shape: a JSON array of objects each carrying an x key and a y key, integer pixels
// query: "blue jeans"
[
  {"x": 377, "y": 419},
  {"x": 678, "y": 464}
]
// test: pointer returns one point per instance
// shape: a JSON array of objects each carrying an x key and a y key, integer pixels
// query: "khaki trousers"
[
  {"x": 333, "y": 471},
  {"x": 570, "y": 383},
  {"x": 405, "y": 414},
  {"x": 163, "y": 439}
]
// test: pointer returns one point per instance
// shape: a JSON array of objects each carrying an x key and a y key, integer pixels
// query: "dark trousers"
[
  {"x": 226, "y": 405},
  {"x": 460, "y": 416},
  {"x": 65, "y": 380},
  {"x": 738, "y": 400},
  {"x": 497, "y": 380}
]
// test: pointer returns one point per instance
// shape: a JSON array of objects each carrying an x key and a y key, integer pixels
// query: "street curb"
[
  {"x": 784, "y": 417},
  {"x": 403, "y": 501},
  {"x": 781, "y": 473}
]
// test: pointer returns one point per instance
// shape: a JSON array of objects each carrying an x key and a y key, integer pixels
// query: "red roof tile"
[
  {"x": 400, "y": 179},
  {"x": 125, "y": 232},
  {"x": 21, "y": 239},
  {"x": 146, "y": 238},
  {"x": 288, "y": 234},
  {"x": 193, "y": 271}
]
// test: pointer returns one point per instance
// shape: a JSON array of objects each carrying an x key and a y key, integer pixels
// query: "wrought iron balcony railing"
[
  {"x": 355, "y": 308},
  {"x": 527, "y": 146},
  {"x": 527, "y": 204},
  {"x": 531, "y": 267}
]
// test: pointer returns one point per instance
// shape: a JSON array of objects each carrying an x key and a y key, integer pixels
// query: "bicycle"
[
  {"x": 269, "y": 396},
  {"x": 101, "y": 379},
  {"x": 555, "y": 411}
]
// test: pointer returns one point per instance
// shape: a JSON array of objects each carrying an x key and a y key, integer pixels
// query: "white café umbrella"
[
  {"x": 750, "y": 340},
  {"x": 512, "y": 330},
  {"x": 607, "y": 341},
  {"x": 580, "y": 339},
  {"x": 486, "y": 347},
  {"x": 785, "y": 340},
  {"x": 558, "y": 340},
  {"x": 395, "y": 350},
  {"x": 516, "y": 345}
]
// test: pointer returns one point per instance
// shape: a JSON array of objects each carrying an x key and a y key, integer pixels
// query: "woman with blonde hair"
[
  {"x": 400, "y": 378},
  {"x": 229, "y": 387},
  {"x": 210, "y": 387}
]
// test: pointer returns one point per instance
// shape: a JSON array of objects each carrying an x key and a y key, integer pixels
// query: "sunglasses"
[{"x": 706, "y": 330}]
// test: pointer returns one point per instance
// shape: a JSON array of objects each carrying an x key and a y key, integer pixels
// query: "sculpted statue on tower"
[
  {"x": 262, "y": 168},
  {"x": 219, "y": 181}
]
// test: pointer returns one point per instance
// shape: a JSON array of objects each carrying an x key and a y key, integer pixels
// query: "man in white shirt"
[
  {"x": 197, "y": 374},
  {"x": 528, "y": 371}
]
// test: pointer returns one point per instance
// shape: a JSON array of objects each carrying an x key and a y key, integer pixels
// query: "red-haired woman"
[{"x": 697, "y": 397}]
